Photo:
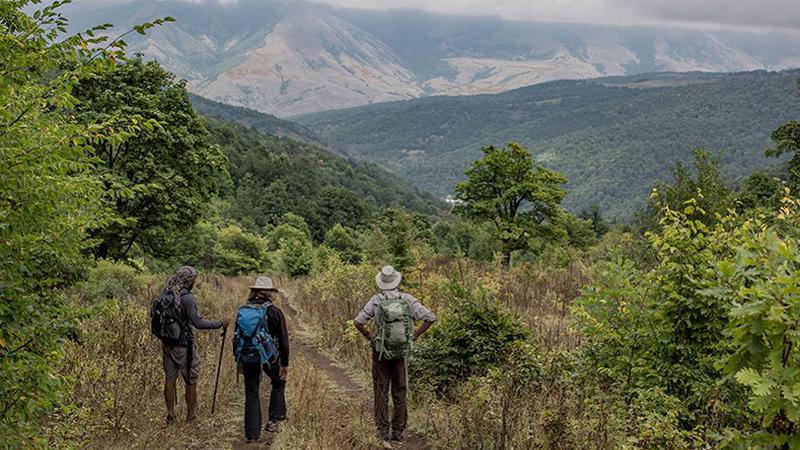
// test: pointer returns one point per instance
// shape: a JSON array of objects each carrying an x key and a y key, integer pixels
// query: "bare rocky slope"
[{"x": 289, "y": 58}]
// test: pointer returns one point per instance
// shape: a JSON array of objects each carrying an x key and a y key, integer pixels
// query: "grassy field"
[{"x": 117, "y": 401}]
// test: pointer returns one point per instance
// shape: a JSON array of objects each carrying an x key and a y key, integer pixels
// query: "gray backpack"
[{"x": 395, "y": 326}]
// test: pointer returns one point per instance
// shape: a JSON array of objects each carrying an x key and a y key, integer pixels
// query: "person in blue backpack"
[{"x": 261, "y": 344}]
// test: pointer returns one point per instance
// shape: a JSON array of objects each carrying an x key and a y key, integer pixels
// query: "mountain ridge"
[
  {"x": 262, "y": 122},
  {"x": 290, "y": 58},
  {"x": 612, "y": 137}
]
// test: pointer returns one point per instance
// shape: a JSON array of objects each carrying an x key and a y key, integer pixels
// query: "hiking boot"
[
  {"x": 170, "y": 420},
  {"x": 273, "y": 427},
  {"x": 254, "y": 440}
]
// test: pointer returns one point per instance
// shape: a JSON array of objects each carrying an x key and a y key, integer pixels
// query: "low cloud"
[
  {"x": 764, "y": 14},
  {"x": 761, "y": 13},
  {"x": 749, "y": 13}
]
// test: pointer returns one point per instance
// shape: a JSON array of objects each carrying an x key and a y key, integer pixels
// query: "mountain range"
[
  {"x": 291, "y": 57},
  {"x": 612, "y": 137}
]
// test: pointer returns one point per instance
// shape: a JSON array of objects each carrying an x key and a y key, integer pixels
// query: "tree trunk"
[{"x": 506, "y": 258}]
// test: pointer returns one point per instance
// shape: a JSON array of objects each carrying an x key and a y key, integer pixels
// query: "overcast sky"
[
  {"x": 748, "y": 13},
  {"x": 754, "y": 14}
]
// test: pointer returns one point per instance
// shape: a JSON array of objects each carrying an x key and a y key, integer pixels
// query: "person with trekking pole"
[
  {"x": 172, "y": 317},
  {"x": 261, "y": 344},
  {"x": 395, "y": 313}
]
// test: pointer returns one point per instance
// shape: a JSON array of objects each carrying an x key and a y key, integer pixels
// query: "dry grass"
[
  {"x": 324, "y": 417},
  {"x": 495, "y": 412},
  {"x": 542, "y": 297},
  {"x": 117, "y": 401},
  {"x": 329, "y": 302}
]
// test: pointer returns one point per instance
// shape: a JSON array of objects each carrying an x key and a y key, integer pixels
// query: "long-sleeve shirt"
[
  {"x": 372, "y": 308},
  {"x": 190, "y": 314},
  {"x": 190, "y": 317}
]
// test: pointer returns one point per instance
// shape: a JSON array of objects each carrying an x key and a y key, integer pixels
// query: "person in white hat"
[{"x": 395, "y": 313}]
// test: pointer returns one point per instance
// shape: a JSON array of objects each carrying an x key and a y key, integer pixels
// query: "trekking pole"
[{"x": 219, "y": 365}]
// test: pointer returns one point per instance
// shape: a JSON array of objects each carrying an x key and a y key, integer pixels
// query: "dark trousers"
[
  {"x": 388, "y": 373},
  {"x": 252, "y": 401}
]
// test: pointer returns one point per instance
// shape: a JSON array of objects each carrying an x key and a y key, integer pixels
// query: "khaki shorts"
[{"x": 175, "y": 362}]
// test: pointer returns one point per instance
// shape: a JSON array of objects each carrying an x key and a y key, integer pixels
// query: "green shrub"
[
  {"x": 342, "y": 241},
  {"x": 296, "y": 257},
  {"x": 475, "y": 333},
  {"x": 663, "y": 329},
  {"x": 113, "y": 280},
  {"x": 238, "y": 252}
]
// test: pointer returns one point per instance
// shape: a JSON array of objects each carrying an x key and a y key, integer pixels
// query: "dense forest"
[
  {"x": 611, "y": 137},
  {"x": 676, "y": 329},
  {"x": 265, "y": 123}
]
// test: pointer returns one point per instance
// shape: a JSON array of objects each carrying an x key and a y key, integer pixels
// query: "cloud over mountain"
[{"x": 293, "y": 57}]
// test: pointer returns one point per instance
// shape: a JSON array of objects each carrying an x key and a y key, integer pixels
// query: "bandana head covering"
[{"x": 182, "y": 278}]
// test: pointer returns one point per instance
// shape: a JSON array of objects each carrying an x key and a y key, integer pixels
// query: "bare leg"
[
  {"x": 191, "y": 402},
  {"x": 170, "y": 397}
]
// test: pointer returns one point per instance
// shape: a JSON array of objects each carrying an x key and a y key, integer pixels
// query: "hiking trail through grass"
[{"x": 346, "y": 393}]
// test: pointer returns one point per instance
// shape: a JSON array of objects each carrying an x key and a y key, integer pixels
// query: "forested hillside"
[
  {"x": 265, "y": 123},
  {"x": 611, "y": 137},
  {"x": 272, "y": 176}
]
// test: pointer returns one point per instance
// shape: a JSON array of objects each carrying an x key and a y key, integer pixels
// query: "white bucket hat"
[
  {"x": 264, "y": 284},
  {"x": 388, "y": 278}
]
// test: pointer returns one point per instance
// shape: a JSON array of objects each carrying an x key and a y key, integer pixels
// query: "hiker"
[
  {"x": 173, "y": 314},
  {"x": 261, "y": 343},
  {"x": 395, "y": 313}
]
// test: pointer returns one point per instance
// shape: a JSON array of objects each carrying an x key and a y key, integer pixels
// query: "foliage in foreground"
[
  {"x": 712, "y": 326},
  {"x": 49, "y": 198}
]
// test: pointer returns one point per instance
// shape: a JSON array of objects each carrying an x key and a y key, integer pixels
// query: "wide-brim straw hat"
[
  {"x": 388, "y": 278},
  {"x": 264, "y": 284}
]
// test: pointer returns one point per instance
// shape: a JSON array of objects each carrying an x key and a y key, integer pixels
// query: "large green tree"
[
  {"x": 49, "y": 196},
  {"x": 521, "y": 198},
  {"x": 157, "y": 182},
  {"x": 787, "y": 141}
]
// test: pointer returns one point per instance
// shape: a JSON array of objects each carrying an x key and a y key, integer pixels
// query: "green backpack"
[{"x": 395, "y": 325}]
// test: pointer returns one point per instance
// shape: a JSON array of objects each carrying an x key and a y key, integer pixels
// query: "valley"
[{"x": 611, "y": 137}]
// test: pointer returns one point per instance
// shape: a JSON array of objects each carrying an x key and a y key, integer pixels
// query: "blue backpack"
[{"x": 252, "y": 343}]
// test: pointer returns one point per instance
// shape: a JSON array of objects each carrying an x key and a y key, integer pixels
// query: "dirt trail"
[{"x": 301, "y": 344}]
